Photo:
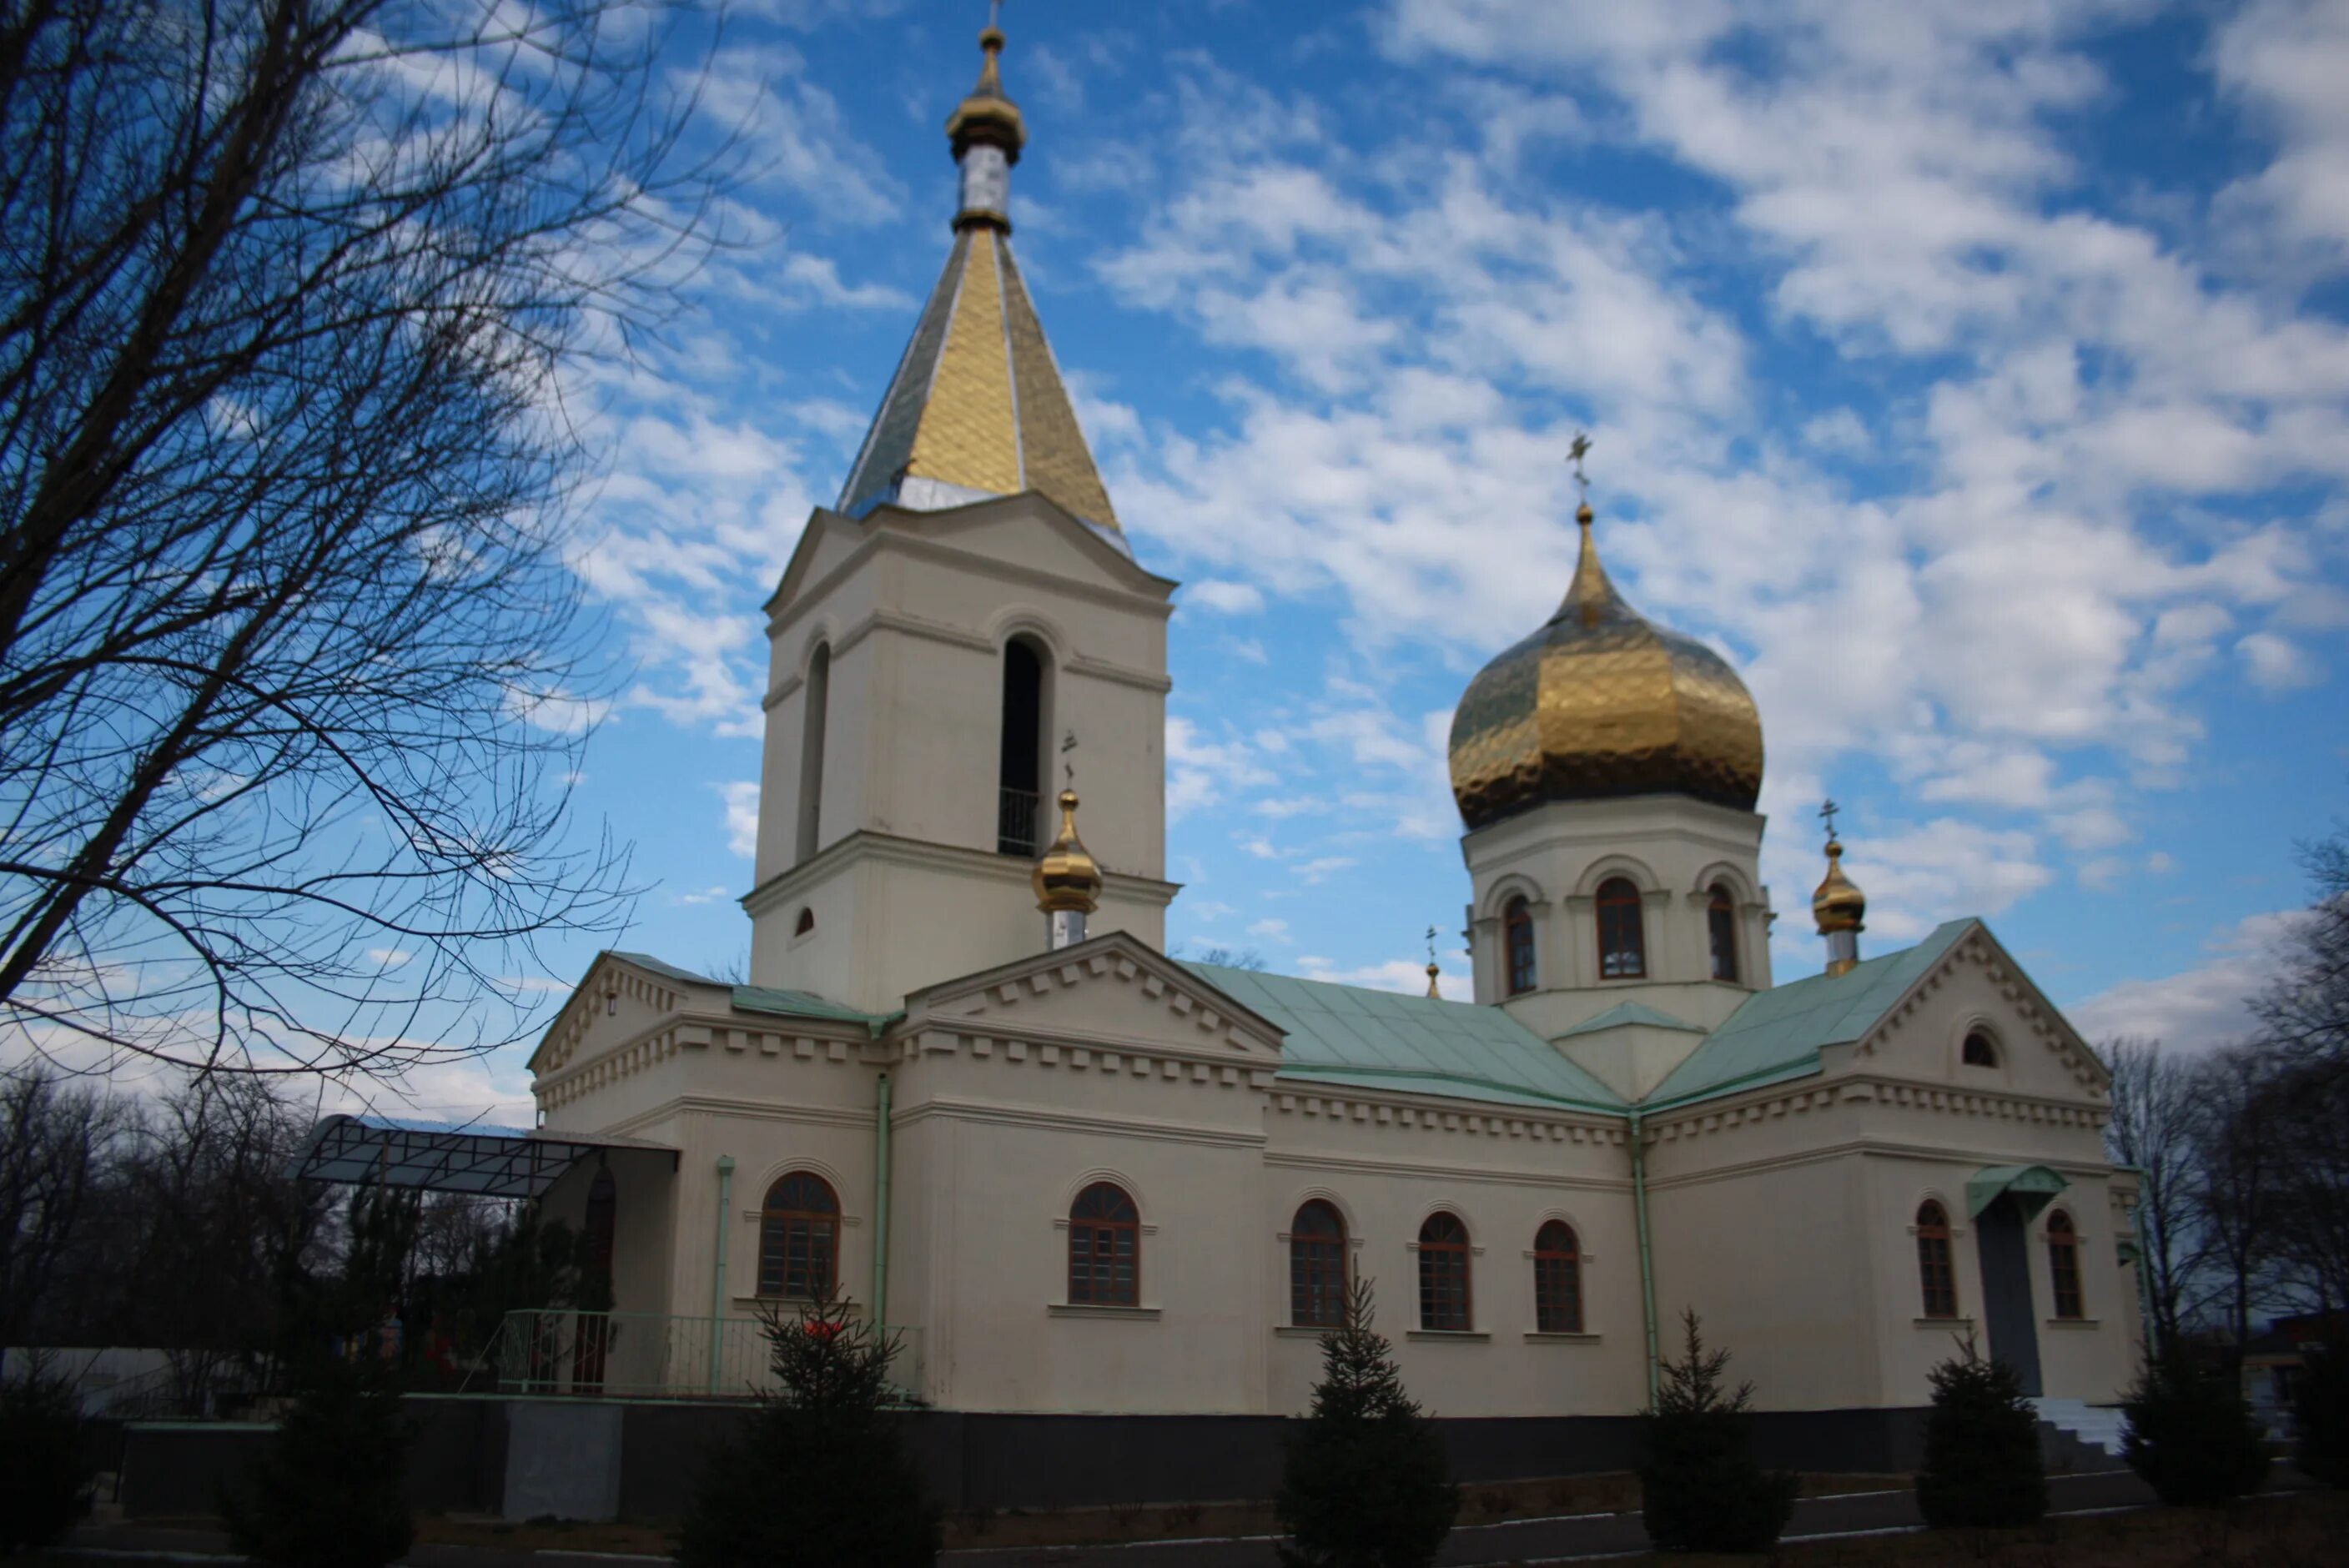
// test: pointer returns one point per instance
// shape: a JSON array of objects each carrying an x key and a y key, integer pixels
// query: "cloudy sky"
[{"x": 1974, "y": 374}]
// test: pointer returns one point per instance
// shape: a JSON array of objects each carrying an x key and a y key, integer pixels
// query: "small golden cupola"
[
  {"x": 1068, "y": 881},
  {"x": 1838, "y": 906},
  {"x": 1601, "y": 702}
]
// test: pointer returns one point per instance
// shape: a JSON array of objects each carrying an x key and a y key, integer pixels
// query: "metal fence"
[
  {"x": 1015, "y": 822},
  {"x": 653, "y": 1356}
]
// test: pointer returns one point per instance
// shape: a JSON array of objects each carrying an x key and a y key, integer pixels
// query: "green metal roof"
[
  {"x": 2032, "y": 1186},
  {"x": 767, "y": 998},
  {"x": 1777, "y": 1034},
  {"x": 1623, "y": 1013},
  {"x": 1383, "y": 1039}
]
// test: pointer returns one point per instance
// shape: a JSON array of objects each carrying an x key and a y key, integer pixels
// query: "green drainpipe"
[
  {"x": 1647, "y": 1258},
  {"x": 881, "y": 1205},
  {"x": 718, "y": 1278}
]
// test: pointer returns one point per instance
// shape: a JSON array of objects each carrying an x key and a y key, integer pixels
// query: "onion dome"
[
  {"x": 1067, "y": 877},
  {"x": 1838, "y": 904},
  {"x": 1433, "y": 995},
  {"x": 1601, "y": 702}
]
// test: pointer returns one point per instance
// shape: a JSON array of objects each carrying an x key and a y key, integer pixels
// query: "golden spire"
[
  {"x": 1066, "y": 878},
  {"x": 1433, "y": 993},
  {"x": 977, "y": 408},
  {"x": 1838, "y": 905}
]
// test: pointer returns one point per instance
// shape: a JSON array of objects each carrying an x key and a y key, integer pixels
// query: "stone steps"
[{"x": 2101, "y": 1426}]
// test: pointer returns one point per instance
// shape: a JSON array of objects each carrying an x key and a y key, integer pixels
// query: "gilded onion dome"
[
  {"x": 1067, "y": 877},
  {"x": 1838, "y": 904},
  {"x": 1601, "y": 702}
]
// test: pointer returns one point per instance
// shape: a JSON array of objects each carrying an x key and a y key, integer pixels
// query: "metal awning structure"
[
  {"x": 2033, "y": 1186},
  {"x": 487, "y": 1160}
]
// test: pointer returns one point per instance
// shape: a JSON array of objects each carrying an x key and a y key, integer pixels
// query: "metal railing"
[
  {"x": 652, "y": 1355},
  {"x": 1016, "y": 831}
]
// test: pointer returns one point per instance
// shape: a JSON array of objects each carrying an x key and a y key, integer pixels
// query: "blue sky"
[{"x": 1972, "y": 372}]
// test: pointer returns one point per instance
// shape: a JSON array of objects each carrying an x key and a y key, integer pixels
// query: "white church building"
[{"x": 969, "y": 1089}]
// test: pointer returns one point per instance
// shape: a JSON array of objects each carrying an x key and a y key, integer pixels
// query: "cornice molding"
[{"x": 865, "y": 844}]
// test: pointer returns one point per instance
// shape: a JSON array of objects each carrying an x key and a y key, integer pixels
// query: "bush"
[
  {"x": 1983, "y": 1467},
  {"x": 326, "y": 1493},
  {"x": 820, "y": 1477},
  {"x": 1702, "y": 1491},
  {"x": 2191, "y": 1436},
  {"x": 1365, "y": 1483},
  {"x": 44, "y": 1478},
  {"x": 2319, "y": 1413}
]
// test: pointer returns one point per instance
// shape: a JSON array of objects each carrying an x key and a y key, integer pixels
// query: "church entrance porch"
[{"x": 2006, "y": 1290}]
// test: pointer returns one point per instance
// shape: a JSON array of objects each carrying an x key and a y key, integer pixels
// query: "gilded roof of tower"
[{"x": 1602, "y": 702}]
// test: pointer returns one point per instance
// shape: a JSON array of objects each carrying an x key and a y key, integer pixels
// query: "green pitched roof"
[
  {"x": 766, "y": 998},
  {"x": 1623, "y": 1013},
  {"x": 1777, "y": 1034},
  {"x": 1383, "y": 1039}
]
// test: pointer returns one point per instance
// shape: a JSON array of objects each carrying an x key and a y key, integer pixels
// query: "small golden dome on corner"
[
  {"x": 1602, "y": 702},
  {"x": 986, "y": 115},
  {"x": 1838, "y": 904},
  {"x": 1067, "y": 877}
]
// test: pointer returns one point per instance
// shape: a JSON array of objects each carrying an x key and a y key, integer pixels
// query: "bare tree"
[
  {"x": 56, "y": 1143},
  {"x": 292, "y": 678},
  {"x": 2239, "y": 1177},
  {"x": 2306, "y": 1006},
  {"x": 2154, "y": 1128}
]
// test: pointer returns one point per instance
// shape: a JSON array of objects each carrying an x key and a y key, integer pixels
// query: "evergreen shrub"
[
  {"x": 2190, "y": 1434},
  {"x": 44, "y": 1478},
  {"x": 1702, "y": 1488},
  {"x": 1365, "y": 1482},
  {"x": 2320, "y": 1412},
  {"x": 1983, "y": 1466},
  {"x": 820, "y": 1477}
]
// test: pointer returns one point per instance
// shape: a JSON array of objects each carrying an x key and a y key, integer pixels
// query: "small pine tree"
[
  {"x": 2320, "y": 1412},
  {"x": 1983, "y": 1466},
  {"x": 1702, "y": 1489},
  {"x": 1365, "y": 1483},
  {"x": 45, "y": 1473},
  {"x": 328, "y": 1492},
  {"x": 2191, "y": 1436},
  {"x": 820, "y": 1477}
]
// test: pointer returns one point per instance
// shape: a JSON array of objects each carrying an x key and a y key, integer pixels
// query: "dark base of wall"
[{"x": 462, "y": 1459}]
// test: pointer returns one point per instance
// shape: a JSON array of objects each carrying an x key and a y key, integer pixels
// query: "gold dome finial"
[
  {"x": 1838, "y": 905},
  {"x": 1433, "y": 995},
  {"x": 1066, "y": 878},
  {"x": 987, "y": 133}
]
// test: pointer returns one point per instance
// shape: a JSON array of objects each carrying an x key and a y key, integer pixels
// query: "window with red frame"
[
  {"x": 1104, "y": 1248},
  {"x": 1934, "y": 1271},
  {"x": 1622, "y": 942},
  {"x": 1444, "y": 1274},
  {"x": 798, "y": 1238},
  {"x": 1558, "y": 1280},
  {"x": 1317, "y": 1267},
  {"x": 2063, "y": 1264}
]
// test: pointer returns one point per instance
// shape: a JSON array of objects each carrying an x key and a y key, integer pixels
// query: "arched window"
[
  {"x": 1558, "y": 1280},
  {"x": 1721, "y": 926},
  {"x": 1021, "y": 764},
  {"x": 1104, "y": 1248},
  {"x": 1622, "y": 944},
  {"x": 798, "y": 1238},
  {"x": 1444, "y": 1274},
  {"x": 1317, "y": 1267},
  {"x": 817, "y": 697},
  {"x": 2063, "y": 1264},
  {"x": 806, "y": 922},
  {"x": 1517, "y": 935},
  {"x": 1980, "y": 1050},
  {"x": 1934, "y": 1270}
]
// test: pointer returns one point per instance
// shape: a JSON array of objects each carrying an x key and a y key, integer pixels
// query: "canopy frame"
[{"x": 485, "y": 1160}]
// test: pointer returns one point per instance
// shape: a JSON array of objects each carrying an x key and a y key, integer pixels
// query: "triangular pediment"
[
  {"x": 1978, "y": 986},
  {"x": 620, "y": 992},
  {"x": 1028, "y": 531},
  {"x": 1111, "y": 990}
]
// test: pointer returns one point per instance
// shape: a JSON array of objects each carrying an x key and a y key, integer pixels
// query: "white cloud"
[
  {"x": 1200, "y": 771},
  {"x": 1270, "y": 930},
  {"x": 1225, "y": 597},
  {"x": 2275, "y": 664},
  {"x": 742, "y": 797},
  {"x": 2198, "y": 1008}
]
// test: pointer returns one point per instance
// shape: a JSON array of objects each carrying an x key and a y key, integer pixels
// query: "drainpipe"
[
  {"x": 717, "y": 1277},
  {"x": 1647, "y": 1259},
  {"x": 881, "y": 1205}
]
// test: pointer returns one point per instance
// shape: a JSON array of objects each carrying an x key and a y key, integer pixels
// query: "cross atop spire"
[
  {"x": 1575, "y": 453},
  {"x": 1827, "y": 815}
]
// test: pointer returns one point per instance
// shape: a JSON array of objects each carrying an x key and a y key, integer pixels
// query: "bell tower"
[{"x": 966, "y": 623}]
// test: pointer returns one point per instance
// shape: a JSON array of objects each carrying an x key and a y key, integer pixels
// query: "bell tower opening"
[
  {"x": 819, "y": 697},
  {"x": 1020, "y": 769}
]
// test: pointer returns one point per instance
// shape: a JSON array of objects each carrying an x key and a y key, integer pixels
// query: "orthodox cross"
[
  {"x": 995, "y": 13},
  {"x": 1827, "y": 815},
  {"x": 1575, "y": 454},
  {"x": 1068, "y": 741},
  {"x": 1430, "y": 945}
]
